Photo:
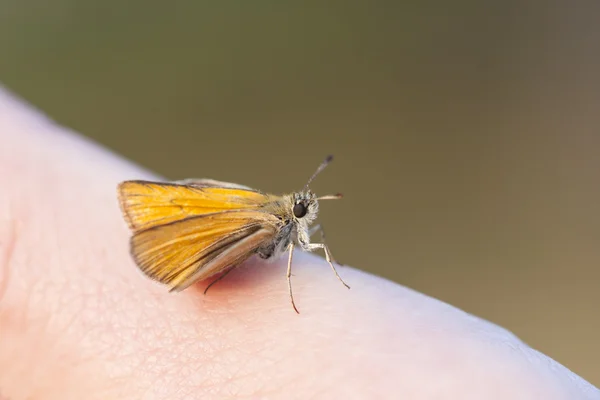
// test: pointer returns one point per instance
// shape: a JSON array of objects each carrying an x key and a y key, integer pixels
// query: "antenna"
[
  {"x": 327, "y": 160},
  {"x": 331, "y": 197}
]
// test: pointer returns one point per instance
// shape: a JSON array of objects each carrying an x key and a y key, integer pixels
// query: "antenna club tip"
[
  {"x": 321, "y": 167},
  {"x": 339, "y": 195}
]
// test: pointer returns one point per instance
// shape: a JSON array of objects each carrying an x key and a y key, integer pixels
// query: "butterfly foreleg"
[
  {"x": 328, "y": 257},
  {"x": 289, "y": 275},
  {"x": 315, "y": 229}
]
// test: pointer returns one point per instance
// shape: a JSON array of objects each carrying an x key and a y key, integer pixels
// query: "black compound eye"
[{"x": 299, "y": 210}]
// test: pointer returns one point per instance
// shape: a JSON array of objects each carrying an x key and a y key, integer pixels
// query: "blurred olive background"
[{"x": 466, "y": 134}]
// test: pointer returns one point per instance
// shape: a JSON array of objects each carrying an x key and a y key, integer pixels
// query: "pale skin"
[{"x": 79, "y": 321}]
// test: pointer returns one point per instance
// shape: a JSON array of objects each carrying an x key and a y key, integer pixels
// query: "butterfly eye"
[{"x": 299, "y": 210}]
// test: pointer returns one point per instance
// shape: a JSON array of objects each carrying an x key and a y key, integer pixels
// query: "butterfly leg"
[
  {"x": 315, "y": 229},
  {"x": 328, "y": 257},
  {"x": 218, "y": 279},
  {"x": 289, "y": 276},
  {"x": 319, "y": 228}
]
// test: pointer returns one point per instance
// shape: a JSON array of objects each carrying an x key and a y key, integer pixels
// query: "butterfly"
[{"x": 190, "y": 230}]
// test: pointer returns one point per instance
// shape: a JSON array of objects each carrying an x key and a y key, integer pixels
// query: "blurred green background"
[{"x": 466, "y": 134}]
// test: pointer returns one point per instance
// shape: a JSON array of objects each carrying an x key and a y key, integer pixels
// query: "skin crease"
[{"x": 79, "y": 321}]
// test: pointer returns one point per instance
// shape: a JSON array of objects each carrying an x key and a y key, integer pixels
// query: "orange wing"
[
  {"x": 184, "y": 233},
  {"x": 148, "y": 204},
  {"x": 172, "y": 253}
]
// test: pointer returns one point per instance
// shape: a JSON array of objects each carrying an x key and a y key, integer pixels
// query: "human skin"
[{"x": 79, "y": 321}]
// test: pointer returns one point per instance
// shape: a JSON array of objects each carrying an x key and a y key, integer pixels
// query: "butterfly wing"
[
  {"x": 230, "y": 257},
  {"x": 185, "y": 233},
  {"x": 212, "y": 183},
  {"x": 174, "y": 253},
  {"x": 149, "y": 204}
]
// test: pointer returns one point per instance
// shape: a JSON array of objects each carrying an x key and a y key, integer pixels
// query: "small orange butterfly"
[{"x": 187, "y": 231}]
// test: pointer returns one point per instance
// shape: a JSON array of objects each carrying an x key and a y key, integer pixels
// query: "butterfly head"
[
  {"x": 305, "y": 204},
  {"x": 305, "y": 207}
]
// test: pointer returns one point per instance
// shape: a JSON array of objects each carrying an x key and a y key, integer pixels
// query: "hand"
[{"x": 78, "y": 320}]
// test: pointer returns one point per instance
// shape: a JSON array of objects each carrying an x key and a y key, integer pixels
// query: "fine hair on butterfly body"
[{"x": 187, "y": 231}]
